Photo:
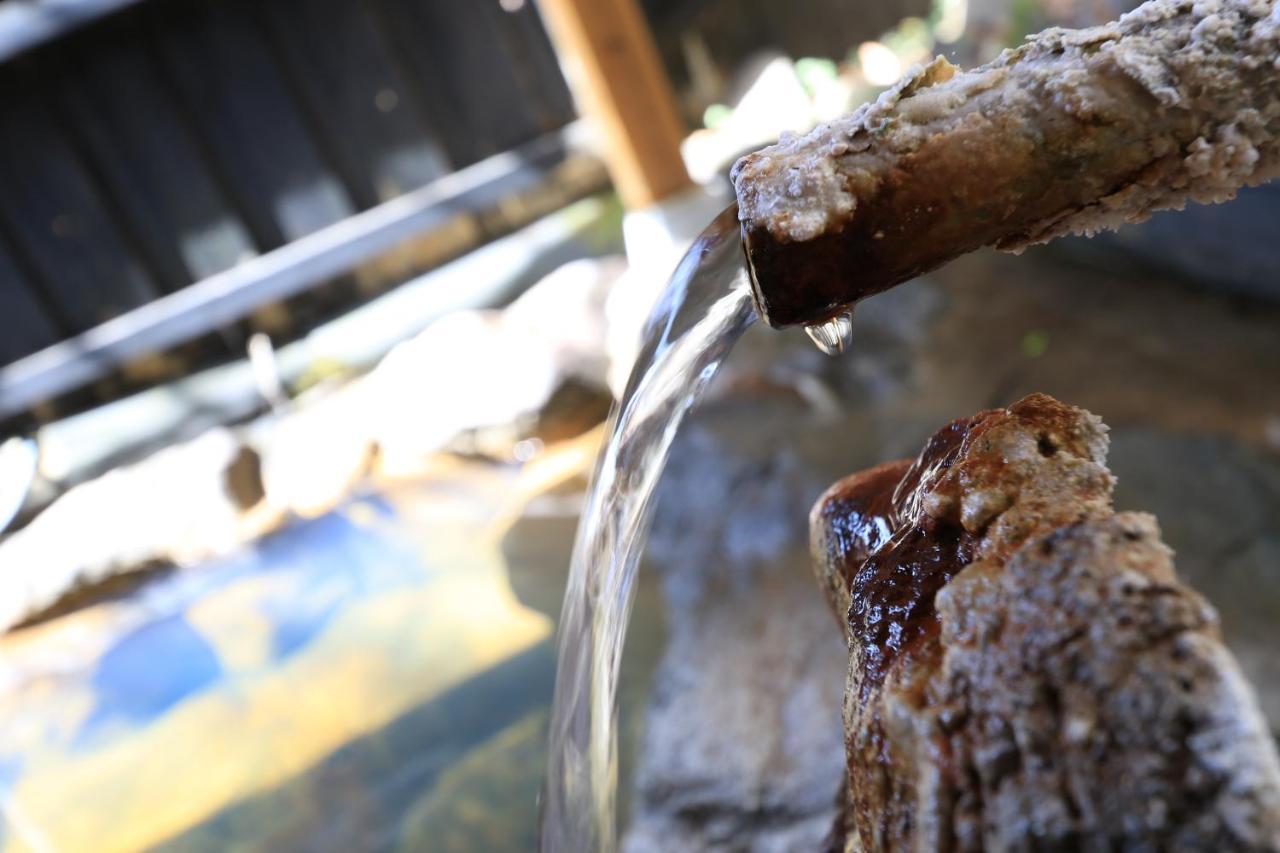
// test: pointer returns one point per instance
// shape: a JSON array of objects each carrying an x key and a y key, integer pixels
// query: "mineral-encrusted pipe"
[{"x": 1073, "y": 132}]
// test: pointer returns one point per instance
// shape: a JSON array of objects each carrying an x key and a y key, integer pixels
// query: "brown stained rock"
[
  {"x": 1026, "y": 671},
  {"x": 849, "y": 522}
]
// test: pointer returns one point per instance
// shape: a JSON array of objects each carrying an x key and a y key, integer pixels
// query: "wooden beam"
[{"x": 617, "y": 75}]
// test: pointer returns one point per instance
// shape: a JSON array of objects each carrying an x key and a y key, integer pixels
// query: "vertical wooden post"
[{"x": 619, "y": 80}]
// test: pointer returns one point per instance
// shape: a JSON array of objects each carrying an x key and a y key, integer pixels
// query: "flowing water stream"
[{"x": 704, "y": 310}]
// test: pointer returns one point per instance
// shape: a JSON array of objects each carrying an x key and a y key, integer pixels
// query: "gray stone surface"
[
  {"x": 1231, "y": 247},
  {"x": 183, "y": 505},
  {"x": 741, "y": 748}
]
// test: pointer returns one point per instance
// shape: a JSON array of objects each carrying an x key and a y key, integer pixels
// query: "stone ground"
[{"x": 378, "y": 677}]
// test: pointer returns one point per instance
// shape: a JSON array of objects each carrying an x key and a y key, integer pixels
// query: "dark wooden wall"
[{"x": 169, "y": 141}]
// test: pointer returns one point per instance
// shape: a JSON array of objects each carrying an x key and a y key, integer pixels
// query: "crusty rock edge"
[
  {"x": 1075, "y": 695},
  {"x": 1071, "y": 133}
]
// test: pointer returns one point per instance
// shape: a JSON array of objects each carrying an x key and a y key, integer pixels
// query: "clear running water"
[{"x": 704, "y": 310}]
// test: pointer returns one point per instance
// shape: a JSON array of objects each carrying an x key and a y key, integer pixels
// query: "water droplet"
[{"x": 833, "y": 336}]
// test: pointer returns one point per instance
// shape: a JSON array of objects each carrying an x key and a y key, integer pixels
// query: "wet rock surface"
[{"x": 741, "y": 747}]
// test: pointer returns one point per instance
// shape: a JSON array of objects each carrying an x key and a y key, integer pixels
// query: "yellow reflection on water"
[{"x": 262, "y": 722}]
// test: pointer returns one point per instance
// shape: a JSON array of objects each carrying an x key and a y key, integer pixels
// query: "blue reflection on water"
[
  {"x": 10, "y": 770},
  {"x": 317, "y": 568},
  {"x": 147, "y": 672}
]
